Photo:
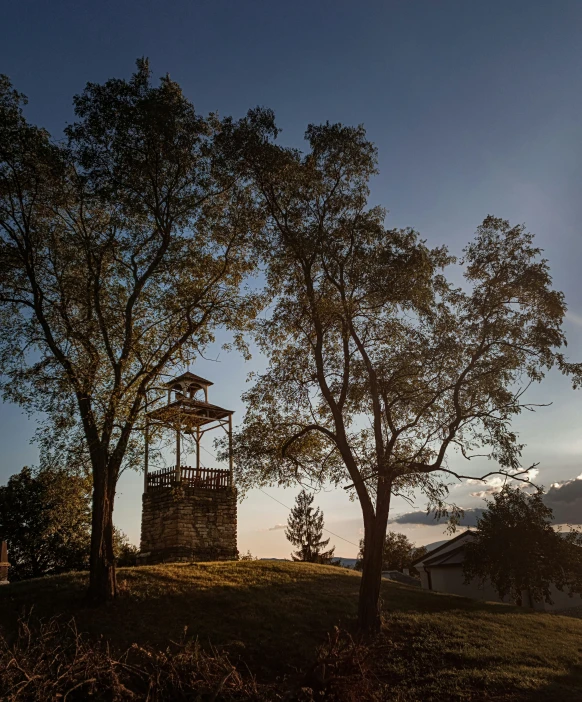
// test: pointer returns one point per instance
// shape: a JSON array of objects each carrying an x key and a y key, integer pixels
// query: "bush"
[{"x": 248, "y": 556}]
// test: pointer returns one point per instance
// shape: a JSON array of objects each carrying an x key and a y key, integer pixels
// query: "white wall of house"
[
  {"x": 561, "y": 600},
  {"x": 451, "y": 579}
]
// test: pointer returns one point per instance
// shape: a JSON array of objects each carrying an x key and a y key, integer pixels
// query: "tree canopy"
[
  {"x": 45, "y": 516},
  {"x": 122, "y": 251},
  {"x": 378, "y": 365},
  {"x": 516, "y": 547}
]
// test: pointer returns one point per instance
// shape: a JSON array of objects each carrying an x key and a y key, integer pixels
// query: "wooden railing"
[
  {"x": 206, "y": 478},
  {"x": 161, "y": 478},
  {"x": 211, "y": 478}
]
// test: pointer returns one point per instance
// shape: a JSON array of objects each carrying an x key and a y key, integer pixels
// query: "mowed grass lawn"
[{"x": 274, "y": 615}]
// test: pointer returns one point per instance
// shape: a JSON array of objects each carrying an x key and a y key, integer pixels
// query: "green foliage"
[
  {"x": 516, "y": 548},
  {"x": 364, "y": 324},
  {"x": 398, "y": 553},
  {"x": 136, "y": 251},
  {"x": 125, "y": 552},
  {"x": 121, "y": 250},
  {"x": 378, "y": 366},
  {"x": 45, "y": 516},
  {"x": 305, "y": 529}
]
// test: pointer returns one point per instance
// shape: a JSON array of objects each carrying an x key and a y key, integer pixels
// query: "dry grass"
[
  {"x": 271, "y": 617},
  {"x": 53, "y": 661}
]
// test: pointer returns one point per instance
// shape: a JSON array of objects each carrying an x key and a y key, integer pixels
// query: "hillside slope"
[{"x": 274, "y": 615}]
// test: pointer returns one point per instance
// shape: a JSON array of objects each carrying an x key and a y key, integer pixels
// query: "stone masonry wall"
[{"x": 188, "y": 524}]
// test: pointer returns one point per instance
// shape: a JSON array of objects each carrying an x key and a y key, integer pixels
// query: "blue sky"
[{"x": 475, "y": 109}]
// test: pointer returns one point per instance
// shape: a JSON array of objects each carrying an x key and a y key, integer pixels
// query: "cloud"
[
  {"x": 470, "y": 518},
  {"x": 277, "y": 527},
  {"x": 484, "y": 493},
  {"x": 495, "y": 484},
  {"x": 565, "y": 499}
]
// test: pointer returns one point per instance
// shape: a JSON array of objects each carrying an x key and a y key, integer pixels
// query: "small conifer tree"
[{"x": 304, "y": 530}]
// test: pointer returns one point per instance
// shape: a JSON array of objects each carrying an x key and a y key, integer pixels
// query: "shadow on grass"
[
  {"x": 567, "y": 686},
  {"x": 265, "y": 614},
  {"x": 407, "y": 598},
  {"x": 429, "y": 658},
  {"x": 275, "y": 615}
]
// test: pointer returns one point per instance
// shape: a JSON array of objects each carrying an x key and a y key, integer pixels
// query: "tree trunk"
[
  {"x": 369, "y": 620},
  {"x": 102, "y": 578}
]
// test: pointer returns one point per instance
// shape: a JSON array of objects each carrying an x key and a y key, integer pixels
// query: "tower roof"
[
  {"x": 190, "y": 413},
  {"x": 188, "y": 377}
]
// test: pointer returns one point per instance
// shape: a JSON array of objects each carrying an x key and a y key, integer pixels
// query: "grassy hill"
[{"x": 273, "y": 616}]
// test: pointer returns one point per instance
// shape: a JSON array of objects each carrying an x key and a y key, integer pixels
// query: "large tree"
[
  {"x": 516, "y": 548},
  {"x": 122, "y": 250},
  {"x": 305, "y": 531},
  {"x": 378, "y": 366}
]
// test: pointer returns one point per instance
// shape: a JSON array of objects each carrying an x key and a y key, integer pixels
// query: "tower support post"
[
  {"x": 197, "y": 450},
  {"x": 178, "y": 456},
  {"x": 146, "y": 454}
]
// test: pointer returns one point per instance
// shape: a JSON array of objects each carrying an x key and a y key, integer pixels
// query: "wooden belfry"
[
  {"x": 189, "y": 512},
  {"x": 185, "y": 413}
]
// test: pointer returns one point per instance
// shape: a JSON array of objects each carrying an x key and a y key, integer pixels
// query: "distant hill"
[
  {"x": 351, "y": 562},
  {"x": 346, "y": 562}
]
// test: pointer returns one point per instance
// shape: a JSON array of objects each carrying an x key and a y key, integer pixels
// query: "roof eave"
[{"x": 430, "y": 554}]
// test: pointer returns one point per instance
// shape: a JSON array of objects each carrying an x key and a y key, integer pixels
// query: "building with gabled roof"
[{"x": 441, "y": 570}]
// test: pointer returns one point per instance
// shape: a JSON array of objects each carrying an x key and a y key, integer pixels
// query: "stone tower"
[{"x": 189, "y": 512}]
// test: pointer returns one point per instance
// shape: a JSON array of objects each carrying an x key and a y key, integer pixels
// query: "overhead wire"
[{"x": 289, "y": 508}]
